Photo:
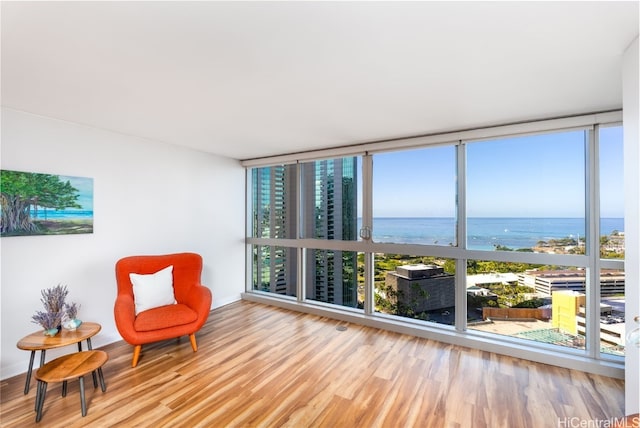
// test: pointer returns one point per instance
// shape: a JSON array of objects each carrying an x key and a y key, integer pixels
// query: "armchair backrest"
[{"x": 187, "y": 269}]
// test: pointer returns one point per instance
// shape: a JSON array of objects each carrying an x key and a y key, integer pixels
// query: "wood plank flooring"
[{"x": 262, "y": 366}]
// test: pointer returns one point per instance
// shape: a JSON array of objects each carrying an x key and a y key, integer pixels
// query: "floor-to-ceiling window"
[
  {"x": 414, "y": 203},
  {"x": 315, "y": 201},
  {"x": 329, "y": 212},
  {"x": 527, "y": 195},
  {"x": 516, "y": 237},
  {"x": 274, "y": 218},
  {"x": 612, "y": 243}
]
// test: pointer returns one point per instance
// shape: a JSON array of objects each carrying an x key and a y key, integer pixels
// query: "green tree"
[
  {"x": 20, "y": 191},
  {"x": 392, "y": 301},
  {"x": 533, "y": 303},
  {"x": 449, "y": 266}
]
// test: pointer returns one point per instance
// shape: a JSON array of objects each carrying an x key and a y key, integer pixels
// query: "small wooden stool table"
[
  {"x": 69, "y": 367},
  {"x": 39, "y": 342}
]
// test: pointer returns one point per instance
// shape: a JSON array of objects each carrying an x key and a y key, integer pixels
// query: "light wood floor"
[{"x": 261, "y": 366}]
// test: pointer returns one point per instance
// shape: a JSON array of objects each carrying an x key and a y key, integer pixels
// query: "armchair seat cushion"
[{"x": 164, "y": 317}]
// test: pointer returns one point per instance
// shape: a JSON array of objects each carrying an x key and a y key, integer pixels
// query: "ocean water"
[
  {"x": 62, "y": 214},
  {"x": 485, "y": 233}
]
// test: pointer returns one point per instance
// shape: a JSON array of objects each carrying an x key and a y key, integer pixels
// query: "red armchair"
[{"x": 185, "y": 317}]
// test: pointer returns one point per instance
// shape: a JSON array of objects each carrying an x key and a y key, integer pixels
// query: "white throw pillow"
[{"x": 153, "y": 290}]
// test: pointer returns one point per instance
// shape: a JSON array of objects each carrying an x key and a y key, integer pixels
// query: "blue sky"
[
  {"x": 611, "y": 172},
  {"x": 85, "y": 190},
  {"x": 415, "y": 183},
  {"x": 532, "y": 176}
]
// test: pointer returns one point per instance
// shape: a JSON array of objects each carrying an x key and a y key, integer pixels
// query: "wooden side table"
[
  {"x": 37, "y": 341},
  {"x": 66, "y": 368}
]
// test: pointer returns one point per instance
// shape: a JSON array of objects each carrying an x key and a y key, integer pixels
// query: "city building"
[
  {"x": 486, "y": 279},
  {"x": 422, "y": 287},
  {"x": 546, "y": 282},
  {"x": 331, "y": 197},
  {"x": 274, "y": 267},
  {"x": 330, "y": 274},
  {"x": 474, "y": 290},
  {"x": 614, "y": 243},
  {"x": 565, "y": 305},
  {"x": 568, "y": 314}
]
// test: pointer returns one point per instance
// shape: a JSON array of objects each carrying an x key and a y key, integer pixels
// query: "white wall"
[
  {"x": 149, "y": 198},
  {"x": 631, "y": 220}
]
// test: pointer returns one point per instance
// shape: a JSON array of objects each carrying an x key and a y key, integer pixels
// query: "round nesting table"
[
  {"x": 66, "y": 368},
  {"x": 37, "y": 341}
]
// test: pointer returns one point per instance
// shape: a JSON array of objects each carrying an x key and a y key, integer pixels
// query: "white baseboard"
[{"x": 226, "y": 301}]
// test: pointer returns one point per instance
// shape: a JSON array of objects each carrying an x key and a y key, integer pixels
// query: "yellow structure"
[{"x": 565, "y": 306}]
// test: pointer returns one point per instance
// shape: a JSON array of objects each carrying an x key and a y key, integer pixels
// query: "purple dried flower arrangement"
[
  {"x": 71, "y": 310},
  {"x": 48, "y": 320},
  {"x": 53, "y": 300}
]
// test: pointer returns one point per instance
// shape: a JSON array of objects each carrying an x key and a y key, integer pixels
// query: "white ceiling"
[{"x": 252, "y": 79}]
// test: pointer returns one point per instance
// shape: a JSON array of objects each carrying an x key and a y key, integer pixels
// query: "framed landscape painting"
[{"x": 45, "y": 204}]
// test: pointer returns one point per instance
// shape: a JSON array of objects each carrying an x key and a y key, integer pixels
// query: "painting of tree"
[{"x": 44, "y": 204}]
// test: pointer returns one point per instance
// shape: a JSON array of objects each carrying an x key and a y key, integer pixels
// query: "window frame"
[{"x": 590, "y": 359}]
